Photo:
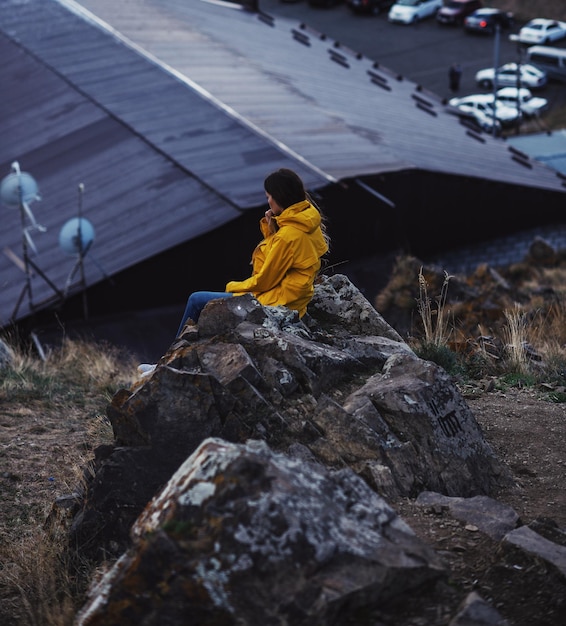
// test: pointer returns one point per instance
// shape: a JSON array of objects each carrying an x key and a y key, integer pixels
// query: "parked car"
[
  {"x": 455, "y": 11},
  {"x": 530, "y": 76},
  {"x": 487, "y": 123},
  {"x": 411, "y": 11},
  {"x": 550, "y": 60},
  {"x": 523, "y": 100},
  {"x": 478, "y": 119},
  {"x": 369, "y": 7},
  {"x": 486, "y": 19},
  {"x": 487, "y": 104},
  {"x": 541, "y": 31}
]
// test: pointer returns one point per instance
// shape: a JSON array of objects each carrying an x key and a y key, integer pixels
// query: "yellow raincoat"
[{"x": 285, "y": 263}]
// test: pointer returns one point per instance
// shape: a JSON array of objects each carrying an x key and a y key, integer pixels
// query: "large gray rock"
[
  {"x": 532, "y": 543},
  {"x": 493, "y": 518},
  {"x": 241, "y": 535},
  {"x": 345, "y": 392}
]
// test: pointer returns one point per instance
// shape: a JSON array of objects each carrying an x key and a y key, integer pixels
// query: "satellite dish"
[
  {"x": 76, "y": 236},
  {"x": 10, "y": 189}
]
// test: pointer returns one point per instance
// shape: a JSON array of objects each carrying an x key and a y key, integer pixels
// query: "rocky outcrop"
[
  {"x": 254, "y": 469},
  {"x": 243, "y": 535},
  {"x": 341, "y": 389}
]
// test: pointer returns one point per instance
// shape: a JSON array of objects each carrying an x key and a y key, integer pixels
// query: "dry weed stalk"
[
  {"x": 515, "y": 337},
  {"x": 436, "y": 334}
]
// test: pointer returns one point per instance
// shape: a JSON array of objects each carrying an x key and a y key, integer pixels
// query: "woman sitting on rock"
[{"x": 286, "y": 261}]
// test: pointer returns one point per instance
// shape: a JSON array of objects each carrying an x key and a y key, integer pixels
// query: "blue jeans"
[{"x": 197, "y": 302}]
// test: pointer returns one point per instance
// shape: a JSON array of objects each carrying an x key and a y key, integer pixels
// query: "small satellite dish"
[
  {"x": 76, "y": 236},
  {"x": 10, "y": 189}
]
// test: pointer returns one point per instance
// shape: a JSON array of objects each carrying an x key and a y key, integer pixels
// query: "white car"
[
  {"x": 411, "y": 11},
  {"x": 468, "y": 105},
  {"x": 487, "y": 123},
  {"x": 541, "y": 31},
  {"x": 530, "y": 76},
  {"x": 522, "y": 99}
]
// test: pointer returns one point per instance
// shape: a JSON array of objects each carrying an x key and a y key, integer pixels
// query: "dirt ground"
[
  {"x": 529, "y": 435},
  {"x": 41, "y": 452}
]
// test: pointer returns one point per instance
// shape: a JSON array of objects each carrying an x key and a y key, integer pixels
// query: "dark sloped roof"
[
  {"x": 80, "y": 107},
  {"x": 324, "y": 102},
  {"x": 172, "y": 113}
]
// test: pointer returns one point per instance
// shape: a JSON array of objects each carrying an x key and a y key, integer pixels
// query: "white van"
[{"x": 551, "y": 60}]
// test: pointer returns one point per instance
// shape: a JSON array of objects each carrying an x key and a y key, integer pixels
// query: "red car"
[{"x": 486, "y": 20}]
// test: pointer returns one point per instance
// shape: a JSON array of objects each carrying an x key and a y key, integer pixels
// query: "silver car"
[
  {"x": 523, "y": 99},
  {"x": 511, "y": 75},
  {"x": 468, "y": 105},
  {"x": 412, "y": 11}
]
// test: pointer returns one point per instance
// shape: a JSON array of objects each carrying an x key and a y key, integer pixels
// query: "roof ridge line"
[{"x": 84, "y": 13}]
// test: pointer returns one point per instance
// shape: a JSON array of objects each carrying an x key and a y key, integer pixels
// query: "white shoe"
[{"x": 146, "y": 368}]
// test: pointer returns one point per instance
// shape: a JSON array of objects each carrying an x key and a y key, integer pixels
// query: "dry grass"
[
  {"x": 56, "y": 399},
  {"x": 435, "y": 320},
  {"x": 533, "y": 338},
  {"x": 515, "y": 336},
  {"x": 39, "y": 580}
]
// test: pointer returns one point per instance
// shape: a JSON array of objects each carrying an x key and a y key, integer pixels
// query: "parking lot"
[{"x": 422, "y": 52}]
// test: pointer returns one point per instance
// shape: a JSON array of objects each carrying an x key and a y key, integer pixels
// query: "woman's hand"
[{"x": 271, "y": 223}]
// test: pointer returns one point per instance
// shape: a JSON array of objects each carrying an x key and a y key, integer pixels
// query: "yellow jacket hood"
[{"x": 285, "y": 263}]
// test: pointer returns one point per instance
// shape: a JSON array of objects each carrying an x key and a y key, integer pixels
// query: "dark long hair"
[{"x": 287, "y": 188}]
